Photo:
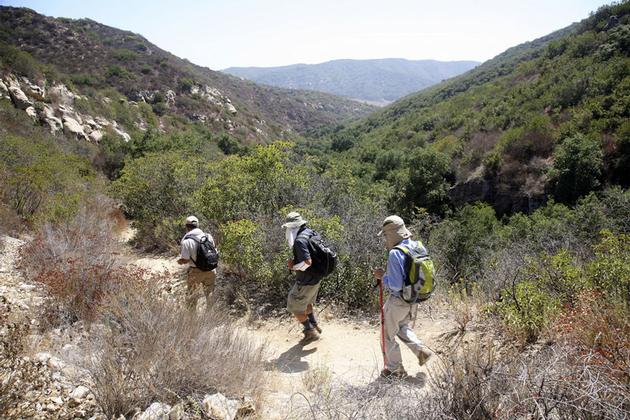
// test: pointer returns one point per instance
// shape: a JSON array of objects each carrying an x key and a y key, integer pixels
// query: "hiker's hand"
[
  {"x": 290, "y": 264},
  {"x": 379, "y": 273}
]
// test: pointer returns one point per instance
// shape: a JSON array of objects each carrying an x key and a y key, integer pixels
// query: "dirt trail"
[{"x": 348, "y": 352}]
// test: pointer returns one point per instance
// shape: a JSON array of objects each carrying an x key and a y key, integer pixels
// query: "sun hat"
[
  {"x": 395, "y": 224},
  {"x": 293, "y": 220}
]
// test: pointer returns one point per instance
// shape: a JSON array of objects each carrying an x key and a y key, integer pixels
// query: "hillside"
[
  {"x": 547, "y": 117},
  {"x": 378, "y": 81},
  {"x": 102, "y": 64}
]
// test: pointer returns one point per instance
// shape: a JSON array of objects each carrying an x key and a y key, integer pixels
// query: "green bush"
[{"x": 577, "y": 169}]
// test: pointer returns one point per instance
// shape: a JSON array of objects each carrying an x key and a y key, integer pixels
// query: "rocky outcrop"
[
  {"x": 59, "y": 114},
  {"x": 19, "y": 98}
]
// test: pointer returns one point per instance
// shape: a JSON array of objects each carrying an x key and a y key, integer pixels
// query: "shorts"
[{"x": 300, "y": 296}]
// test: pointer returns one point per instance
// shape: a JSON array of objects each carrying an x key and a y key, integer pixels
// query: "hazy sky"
[{"x": 220, "y": 34}]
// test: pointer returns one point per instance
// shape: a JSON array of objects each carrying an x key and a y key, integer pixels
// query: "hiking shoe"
[
  {"x": 398, "y": 373},
  {"x": 424, "y": 356},
  {"x": 310, "y": 336}
]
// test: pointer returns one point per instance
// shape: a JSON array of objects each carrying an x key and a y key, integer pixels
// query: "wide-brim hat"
[
  {"x": 395, "y": 224},
  {"x": 293, "y": 220}
]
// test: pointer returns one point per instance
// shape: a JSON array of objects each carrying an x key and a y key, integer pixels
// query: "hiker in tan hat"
[
  {"x": 397, "y": 312},
  {"x": 303, "y": 294},
  {"x": 199, "y": 273}
]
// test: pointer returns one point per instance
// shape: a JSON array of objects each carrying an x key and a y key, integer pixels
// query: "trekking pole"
[{"x": 380, "y": 302}]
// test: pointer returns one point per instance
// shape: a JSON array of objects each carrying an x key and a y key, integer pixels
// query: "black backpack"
[
  {"x": 207, "y": 255},
  {"x": 323, "y": 256}
]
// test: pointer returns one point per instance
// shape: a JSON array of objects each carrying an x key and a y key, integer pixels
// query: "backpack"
[
  {"x": 207, "y": 255},
  {"x": 323, "y": 256},
  {"x": 419, "y": 280}
]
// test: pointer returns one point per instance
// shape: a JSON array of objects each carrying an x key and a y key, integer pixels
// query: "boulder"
[
  {"x": 30, "y": 111},
  {"x": 230, "y": 108},
  {"x": 4, "y": 90},
  {"x": 156, "y": 411},
  {"x": 96, "y": 136},
  {"x": 80, "y": 392},
  {"x": 217, "y": 406},
  {"x": 47, "y": 115},
  {"x": 72, "y": 126},
  {"x": 42, "y": 357},
  {"x": 56, "y": 363},
  {"x": 19, "y": 98},
  {"x": 177, "y": 412},
  {"x": 170, "y": 97}
]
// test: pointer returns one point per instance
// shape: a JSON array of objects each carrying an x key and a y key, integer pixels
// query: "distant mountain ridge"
[{"x": 379, "y": 80}]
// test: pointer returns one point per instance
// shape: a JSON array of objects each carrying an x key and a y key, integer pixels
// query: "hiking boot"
[
  {"x": 310, "y": 335},
  {"x": 398, "y": 373},
  {"x": 424, "y": 356}
]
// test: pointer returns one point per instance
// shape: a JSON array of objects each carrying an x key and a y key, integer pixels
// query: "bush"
[
  {"x": 154, "y": 349},
  {"x": 77, "y": 261},
  {"x": 577, "y": 169}
]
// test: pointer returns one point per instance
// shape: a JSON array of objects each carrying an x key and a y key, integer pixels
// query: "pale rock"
[
  {"x": 42, "y": 357},
  {"x": 30, "y": 111},
  {"x": 87, "y": 129},
  {"x": 170, "y": 97},
  {"x": 106, "y": 100},
  {"x": 194, "y": 90},
  {"x": 230, "y": 108},
  {"x": 51, "y": 407},
  {"x": 27, "y": 287},
  {"x": 3, "y": 87},
  {"x": 48, "y": 116},
  {"x": 80, "y": 392},
  {"x": 102, "y": 122},
  {"x": 72, "y": 126},
  {"x": 96, "y": 136},
  {"x": 177, "y": 412},
  {"x": 57, "y": 400},
  {"x": 19, "y": 98},
  {"x": 56, "y": 363},
  {"x": 156, "y": 411},
  {"x": 217, "y": 406}
]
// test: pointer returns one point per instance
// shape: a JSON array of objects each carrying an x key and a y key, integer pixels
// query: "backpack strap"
[{"x": 198, "y": 243}]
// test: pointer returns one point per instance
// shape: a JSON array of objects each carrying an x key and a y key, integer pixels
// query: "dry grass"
[{"x": 152, "y": 349}]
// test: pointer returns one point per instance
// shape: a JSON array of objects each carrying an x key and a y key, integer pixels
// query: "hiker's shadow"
[{"x": 290, "y": 361}]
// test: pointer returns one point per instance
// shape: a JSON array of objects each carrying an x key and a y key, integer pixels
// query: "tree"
[
  {"x": 427, "y": 186},
  {"x": 577, "y": 169}
]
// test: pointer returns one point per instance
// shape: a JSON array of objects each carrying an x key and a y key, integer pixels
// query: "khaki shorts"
[{"x": 300, "y": 296}]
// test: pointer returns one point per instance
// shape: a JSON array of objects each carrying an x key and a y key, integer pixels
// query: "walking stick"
[{"x": 380, "y": 301}]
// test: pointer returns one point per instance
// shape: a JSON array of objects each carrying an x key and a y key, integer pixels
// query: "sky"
[{"x": 227, "y": 33}]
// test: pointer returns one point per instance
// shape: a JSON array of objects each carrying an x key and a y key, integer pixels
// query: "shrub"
[
  {"x": 577, "y": 169},
  {"x": 77, "y": 261},
  {"x": 154, "y": 349}
]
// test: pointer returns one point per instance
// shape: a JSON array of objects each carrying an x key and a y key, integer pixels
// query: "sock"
[
  {"x": 307, "y": 325},
  {"x": 311, "y": 317}
]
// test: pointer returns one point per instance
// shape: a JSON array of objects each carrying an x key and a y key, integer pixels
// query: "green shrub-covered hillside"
[{"x": 548, "y": 117}]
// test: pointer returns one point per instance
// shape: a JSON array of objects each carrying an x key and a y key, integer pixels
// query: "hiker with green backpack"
[
  {"x": 408, "y": 279},
  {"x": 312, "y": 261}
]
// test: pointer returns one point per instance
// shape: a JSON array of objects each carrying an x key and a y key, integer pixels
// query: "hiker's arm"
[{"x": 303, "y": 265}]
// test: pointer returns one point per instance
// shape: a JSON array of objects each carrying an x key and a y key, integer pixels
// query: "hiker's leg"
[
  {"x": 407, "y": 335},
  {"x": 393, "y": 315},
  {"x": 192, "y": 281},
  {"x": 209, "y": 278},
  {"x": 297, "y": 302}
]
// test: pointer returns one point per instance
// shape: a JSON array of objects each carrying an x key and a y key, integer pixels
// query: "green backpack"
[{"x": 419, "y": 280}]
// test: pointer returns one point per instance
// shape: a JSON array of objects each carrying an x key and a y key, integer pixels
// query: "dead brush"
[
  {"x": 78, "y": 262},
  {"x": 153, "y": 349}
]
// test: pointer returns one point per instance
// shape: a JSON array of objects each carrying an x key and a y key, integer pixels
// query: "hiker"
[
  {"x": 307, "y": 281},
  {"x": 189, "y": 253},
  {"x": 397, "y": 312}
]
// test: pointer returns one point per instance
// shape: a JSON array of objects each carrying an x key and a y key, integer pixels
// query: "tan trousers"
[
  {"x": 398, "y": 314},
  {"x": 195, "y": 278}
]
